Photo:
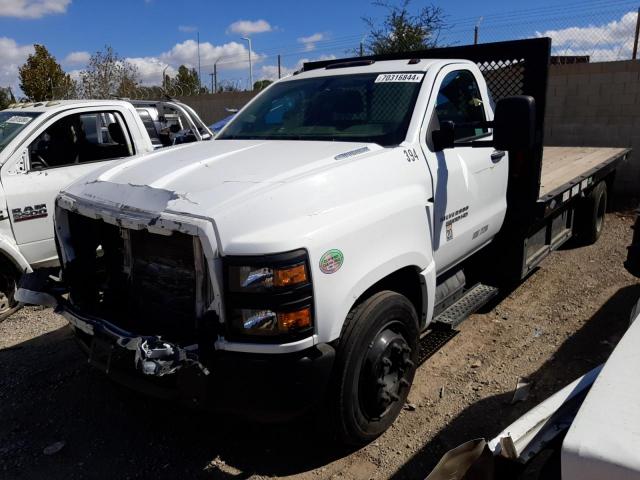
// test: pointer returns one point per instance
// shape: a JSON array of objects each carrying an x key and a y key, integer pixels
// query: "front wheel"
[
  {"x": 8, "y": 303},
  {"x": 375, "y": 365}
]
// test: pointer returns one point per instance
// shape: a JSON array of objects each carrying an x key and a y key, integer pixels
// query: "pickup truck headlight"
[
  {"x": 256, "y": 278},
  {"x": 269, "y": 298}
]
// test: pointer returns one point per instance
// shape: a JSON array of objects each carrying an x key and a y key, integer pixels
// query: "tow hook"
[{"x": 158, "y": 358}]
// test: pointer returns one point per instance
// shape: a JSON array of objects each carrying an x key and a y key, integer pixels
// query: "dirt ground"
[{"x": 564, "y": 320}]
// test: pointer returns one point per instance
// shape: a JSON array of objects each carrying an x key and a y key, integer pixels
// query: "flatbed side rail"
[{"x": 560, "y": 196}]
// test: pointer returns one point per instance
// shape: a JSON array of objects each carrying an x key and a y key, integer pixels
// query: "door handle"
[{"x": 497, "y": 155}]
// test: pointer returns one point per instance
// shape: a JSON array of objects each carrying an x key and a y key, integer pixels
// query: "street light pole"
[
  {"x": 250, "y": 65},
  {"x": 164, "y": 78}
]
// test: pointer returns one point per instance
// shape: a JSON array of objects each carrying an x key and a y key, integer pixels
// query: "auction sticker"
[
  {"x": 18, "y": 119},
  {"x": 331, "y": 261},
  {"x": 399, "y": 77}
]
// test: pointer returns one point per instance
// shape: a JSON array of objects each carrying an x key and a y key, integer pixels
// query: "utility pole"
[
  {"x": 211, "y": 75},
  {"x": 215, "y": 76},
  {"x": 361, "y": 49},
  {"x": 199, "y": 72},
  {"x": 279, "y": 70},
  {"x": 635, "y": 40},
  {"x": 476, "y": 30},
  {"x": 164, "y": 78},
  {"x": 250, "y": 65}
]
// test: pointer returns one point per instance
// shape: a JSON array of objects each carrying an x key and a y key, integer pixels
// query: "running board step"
[{"x": 472, "y": 300}]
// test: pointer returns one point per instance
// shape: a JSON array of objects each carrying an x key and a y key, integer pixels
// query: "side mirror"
[
  {"x": 445, "y": 137},
  {"x": 514, "y": 123}
]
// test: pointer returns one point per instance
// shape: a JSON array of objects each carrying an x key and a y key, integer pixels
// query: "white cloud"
[
  {"x": 310, "y": 41},
  {"x": 12, "y": 56},
  {"x": 249, "y": 27},
  {"x": 187, "y": 28},
  {"x": 32, "y": 8},
  {"x": 150, "y": 69},
  {"x": 609, "y": 41},
  {"x": 232, "y": 55},
  {"x": 77, "y": 58}
]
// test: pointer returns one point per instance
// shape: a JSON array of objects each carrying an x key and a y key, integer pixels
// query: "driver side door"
[{"x": 64, "y": 149}]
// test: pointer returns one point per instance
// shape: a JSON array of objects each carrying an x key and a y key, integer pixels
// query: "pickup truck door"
[
  {"x": 469, "y": 183},
  {"x": 63, "y": 149}
]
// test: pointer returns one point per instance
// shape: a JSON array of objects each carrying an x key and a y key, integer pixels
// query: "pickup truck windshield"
[
  {"x": 373, "y": 108},
  {"x": 11, "y": 123}
]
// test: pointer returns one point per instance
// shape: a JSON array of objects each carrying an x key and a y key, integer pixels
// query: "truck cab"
[{"x": 343, "y": 214}]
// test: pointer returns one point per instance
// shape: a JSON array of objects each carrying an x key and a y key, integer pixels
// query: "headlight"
[
  {"x": 269, "y": 297},
  {"x": 256, "y": 279},
  {"x": 270, "y": 323}
]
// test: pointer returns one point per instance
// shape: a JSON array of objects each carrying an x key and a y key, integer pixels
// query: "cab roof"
[
  {"x": 351, "y": 66},
  {"x": 57, "y": 105}
]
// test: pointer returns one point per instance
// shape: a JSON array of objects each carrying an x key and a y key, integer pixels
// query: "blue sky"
[{"x": 158, "y": 34}]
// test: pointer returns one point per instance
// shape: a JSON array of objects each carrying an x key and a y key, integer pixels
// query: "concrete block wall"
[{"x": 597, "y": 105}]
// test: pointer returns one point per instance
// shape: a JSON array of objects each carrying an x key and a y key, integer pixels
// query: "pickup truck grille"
[{"x": 143, "y": 282}]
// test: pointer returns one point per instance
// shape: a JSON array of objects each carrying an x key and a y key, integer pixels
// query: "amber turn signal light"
[
  {"x": 284, "y": 277},
  {"x": 298, "y": 320}
]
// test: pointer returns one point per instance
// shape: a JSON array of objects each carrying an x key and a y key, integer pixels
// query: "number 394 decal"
[{"x": 411, "y": 155}]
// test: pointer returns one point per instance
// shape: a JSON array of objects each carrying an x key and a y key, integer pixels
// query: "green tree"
[
  {"x": 6, "y": 98},
  {"x": 42, "y": 78},
  {"x": 108, "y": 75},
  {"x": 186, "y": 82},
  {"x": 261, "y": 84},
  {"x": 403, "y": 31}
]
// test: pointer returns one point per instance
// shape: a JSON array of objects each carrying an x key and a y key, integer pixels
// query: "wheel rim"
[
  {"x": 4, "y": 302},
  {"x": 386, "y": 372},
  {"x": 7, "y": 288}
]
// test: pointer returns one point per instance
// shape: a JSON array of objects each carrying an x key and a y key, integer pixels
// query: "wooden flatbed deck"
[{"x": 561, "y": 165}]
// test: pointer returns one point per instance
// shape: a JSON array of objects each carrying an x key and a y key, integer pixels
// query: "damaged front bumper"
[
  {"x": 151, "y": 354},
  {"x": 260, "y": 386}
]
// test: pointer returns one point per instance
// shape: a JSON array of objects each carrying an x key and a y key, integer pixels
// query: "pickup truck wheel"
[
  {"x": 591, "y": 214},
  {"x": 375, "y": 364},
  {"x": 8, "y": 304}
]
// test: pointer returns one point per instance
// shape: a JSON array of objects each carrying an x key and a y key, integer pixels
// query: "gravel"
[{"x": 61, "y": 419}]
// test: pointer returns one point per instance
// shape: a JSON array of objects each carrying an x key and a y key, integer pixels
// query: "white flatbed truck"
[{"x": 346, "y": 211}]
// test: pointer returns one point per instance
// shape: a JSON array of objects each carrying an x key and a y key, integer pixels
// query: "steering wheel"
[{"x": 40, "y": 160}]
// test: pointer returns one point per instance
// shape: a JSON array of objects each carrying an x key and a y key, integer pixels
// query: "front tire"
[
  {"x": 8, "y": 304},
  {"x": 375, "y": 365}
]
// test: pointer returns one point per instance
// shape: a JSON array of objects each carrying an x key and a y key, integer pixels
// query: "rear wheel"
[
  {"x": 591, "y": 214},
  {"x": 375, "y": 365}
]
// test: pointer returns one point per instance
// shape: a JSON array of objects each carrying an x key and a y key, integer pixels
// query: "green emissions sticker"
[{"x": 331, "y": 261}]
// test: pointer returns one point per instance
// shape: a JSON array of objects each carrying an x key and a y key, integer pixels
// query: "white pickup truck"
[
  {"x": 345, "y": 211},
  {"x": 45, "y": 146}
]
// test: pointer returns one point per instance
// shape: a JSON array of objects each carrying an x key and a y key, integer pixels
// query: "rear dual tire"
[
  {"x": 375, "y": 365},
  {"x": 590, "y": 215}
]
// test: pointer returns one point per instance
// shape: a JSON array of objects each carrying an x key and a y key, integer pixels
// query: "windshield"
[
  {"x": 372, "y": 107},
  {"x": 11, "y": 123}
]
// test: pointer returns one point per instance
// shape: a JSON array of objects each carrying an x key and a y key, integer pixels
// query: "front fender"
[
  {"x": 392, "y": 232},
  {"x": 10, "y": 250}
]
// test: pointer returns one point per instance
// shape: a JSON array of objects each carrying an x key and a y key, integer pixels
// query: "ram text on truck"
[
  {"x": 346, "y": 210},
  {"x": 47, "y": 145}
]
